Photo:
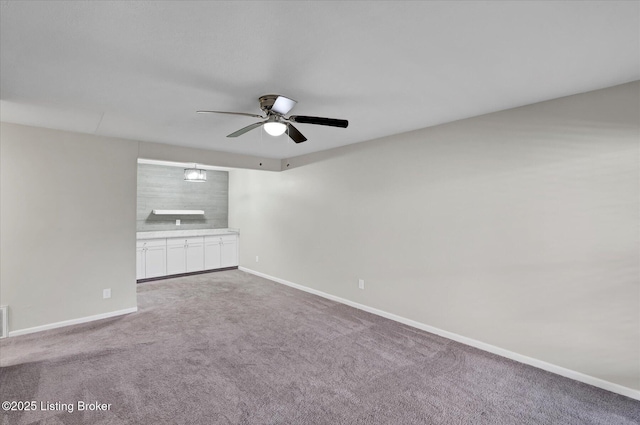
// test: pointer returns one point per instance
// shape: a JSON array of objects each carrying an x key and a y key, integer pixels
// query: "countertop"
[{"x": 185, "y": 233}]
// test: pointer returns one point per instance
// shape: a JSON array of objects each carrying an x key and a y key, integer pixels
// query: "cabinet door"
[
  {"x": 195, "y": 257},
  {"x": 176, "y": 258},
  {"x": 155, "y": 261},
  {"x": 229, "y": 252},
  {"x": 212, "y": 253},
  {"x": 140, "y": 262}
]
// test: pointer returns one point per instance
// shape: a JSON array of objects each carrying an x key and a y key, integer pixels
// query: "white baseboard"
[
  {"x": 72, "y": 322},
  {"x": 549, "y": 367}
]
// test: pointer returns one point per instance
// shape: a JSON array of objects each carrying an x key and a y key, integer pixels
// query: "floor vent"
[{"x": 4, "y": 329}]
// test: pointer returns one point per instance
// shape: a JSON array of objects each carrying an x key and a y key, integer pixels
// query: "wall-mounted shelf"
[{"x": 178, "y": 212}]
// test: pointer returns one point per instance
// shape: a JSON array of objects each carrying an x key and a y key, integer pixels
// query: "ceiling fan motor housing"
[{"x": 267, "y": 101}]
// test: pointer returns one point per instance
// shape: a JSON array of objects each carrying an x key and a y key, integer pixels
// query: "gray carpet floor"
[{"x": 232, "y": 348}]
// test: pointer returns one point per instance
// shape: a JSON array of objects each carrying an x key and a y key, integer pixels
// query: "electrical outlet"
[
  {"x": 177, "y": 222},
  {"x": 257, "y": 259},
  {"x": 106, "y": 293},
  {"x": 361, "y": 283}
]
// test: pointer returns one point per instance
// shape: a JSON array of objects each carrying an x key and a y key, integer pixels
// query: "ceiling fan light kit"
[
  {"x": 275, "y": 123},
  {"x": 274, "y": 127}
]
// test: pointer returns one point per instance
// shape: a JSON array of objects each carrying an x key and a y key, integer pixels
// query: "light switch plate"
[{"x": 106, "y": 293}]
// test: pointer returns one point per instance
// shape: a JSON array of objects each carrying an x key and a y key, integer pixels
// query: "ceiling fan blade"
[
  {"x": 230, "y": 113},
  {"x": 246, "y": 129},
  {"x": 332, "y": 122},
  {"x": 295, "y": 135},
  {"x": 283, "y": 105}
]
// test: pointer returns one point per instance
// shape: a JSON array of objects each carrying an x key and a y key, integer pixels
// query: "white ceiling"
[{"x": 140, "y": 70}]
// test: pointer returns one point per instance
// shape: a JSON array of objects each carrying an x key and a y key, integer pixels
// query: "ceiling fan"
[{"x": 275, "y": 123}]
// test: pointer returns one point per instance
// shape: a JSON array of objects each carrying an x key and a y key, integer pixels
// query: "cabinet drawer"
[
  {"x": 195, "y": 240},
  {"x": 150, "y": 243},
  {"x": 219, "y": 238},
  {"x": 185, "y": 241}
]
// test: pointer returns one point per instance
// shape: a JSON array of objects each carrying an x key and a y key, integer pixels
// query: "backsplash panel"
[{"x": 163, "y": 188}]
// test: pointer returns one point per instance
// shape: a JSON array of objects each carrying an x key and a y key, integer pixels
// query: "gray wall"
[
  {"x": 163, "y": 187},
  {"x": 518, "y": 229},
  {"x": 67, "y": 225},
  {"x": 68, "y": 220}
]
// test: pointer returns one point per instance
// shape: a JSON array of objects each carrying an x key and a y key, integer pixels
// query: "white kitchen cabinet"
[
  {"x": 229, "y": 252},
  {"x": 139, "y": 261},
  {"x": 212, "y": 248},
  {"x": 151, "y": 258},
  {"x": 176, "y": 256},
  {"x": 195, "y": 254},
  {"x": 220, "y": 251},
  {"x": 156, "y": 260},
  {"x": 185, "y": 255}
]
